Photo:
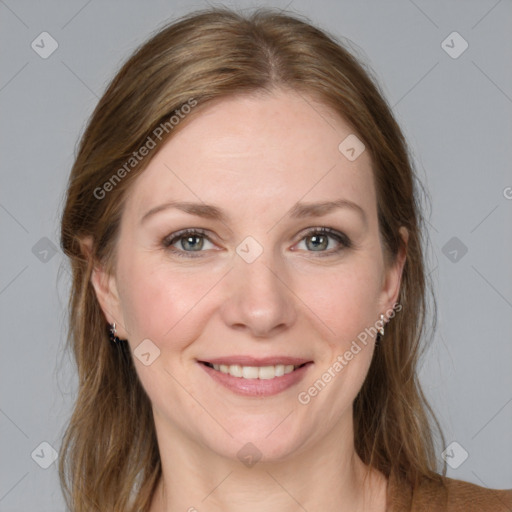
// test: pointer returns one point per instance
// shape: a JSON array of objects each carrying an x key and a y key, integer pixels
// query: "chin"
[{"x": 269, "y": 440}]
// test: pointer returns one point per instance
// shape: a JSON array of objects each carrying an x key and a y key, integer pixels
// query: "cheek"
[
  {"x": 345, "y": 299},
  {"x": 346, "y": 304},
  {"x": 160, "y": 302}
]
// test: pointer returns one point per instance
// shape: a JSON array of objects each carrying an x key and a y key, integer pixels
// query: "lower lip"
[{"x": 257, "y": 387}]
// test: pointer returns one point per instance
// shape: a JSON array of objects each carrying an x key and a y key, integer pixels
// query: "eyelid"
[
  {"x": 325, "y": 230},
  {"x": 182, "y": 232}
]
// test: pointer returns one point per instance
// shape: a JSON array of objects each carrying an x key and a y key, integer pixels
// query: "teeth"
[
  {"x": 250, "y": 372},
  {"x": 255, "y": 372},
  {"x": 279, "y": 370},
  {"x": 266, "y": 372},
  {"x": 235, "y": 370}
]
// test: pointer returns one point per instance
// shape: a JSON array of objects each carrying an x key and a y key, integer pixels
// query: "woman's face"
[{"x": 275, "y": 281}]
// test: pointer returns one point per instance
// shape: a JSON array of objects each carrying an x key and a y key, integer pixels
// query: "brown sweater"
[{"x": 453, "y": 496}]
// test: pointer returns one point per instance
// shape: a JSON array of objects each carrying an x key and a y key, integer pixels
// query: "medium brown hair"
[{"x": 109, "y": 456}]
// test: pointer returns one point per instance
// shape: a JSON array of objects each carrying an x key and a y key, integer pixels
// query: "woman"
[{"x": 248, "y": 284}]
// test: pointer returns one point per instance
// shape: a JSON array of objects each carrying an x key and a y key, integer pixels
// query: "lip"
[
  {"x": 257, "y": 387},
  {"x": 257, "y": 361}
]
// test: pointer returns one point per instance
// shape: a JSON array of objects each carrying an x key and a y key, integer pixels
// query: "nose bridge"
[{"x": 258, "y": 299}]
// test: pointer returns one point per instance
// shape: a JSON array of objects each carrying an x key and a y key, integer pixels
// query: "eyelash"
[{"x": 343, "y": 241}]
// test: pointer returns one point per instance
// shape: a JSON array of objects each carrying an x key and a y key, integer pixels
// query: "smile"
[
  {"x": 256, "y": 378},
  {"x": 255, "y": 372}
]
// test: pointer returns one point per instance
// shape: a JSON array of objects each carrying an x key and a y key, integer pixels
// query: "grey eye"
[
  {"x": 192, "y": 243},
  {"x": 317, "y": 242}
]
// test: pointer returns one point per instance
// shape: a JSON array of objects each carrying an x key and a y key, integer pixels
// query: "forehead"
[{"x": 256, "y": 154}]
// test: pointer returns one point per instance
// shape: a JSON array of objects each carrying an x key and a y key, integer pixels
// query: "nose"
[{"x": 258, "y": 299}]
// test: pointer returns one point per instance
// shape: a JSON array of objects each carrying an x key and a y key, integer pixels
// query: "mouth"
[
  {"x": 254, "y": 372},
  {"x": 256, "y": 377}
]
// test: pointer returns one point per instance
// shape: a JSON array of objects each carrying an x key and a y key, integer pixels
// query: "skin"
[{"x": 255, "y": 157}]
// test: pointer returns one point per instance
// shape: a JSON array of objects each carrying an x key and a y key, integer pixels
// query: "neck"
[{"x": 319, "y": 478}]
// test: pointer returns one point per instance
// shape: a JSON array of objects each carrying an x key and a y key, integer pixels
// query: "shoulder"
[
  {"x": 449, "y": 495},
  {"x": 468, "y": 497}
]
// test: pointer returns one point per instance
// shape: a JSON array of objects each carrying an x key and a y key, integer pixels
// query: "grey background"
[{"x": 456, "y": 114}]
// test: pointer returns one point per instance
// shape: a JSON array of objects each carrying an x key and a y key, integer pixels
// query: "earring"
[
  {"x": 381, "y": 328},
  {"x": 112, "y": 333}
]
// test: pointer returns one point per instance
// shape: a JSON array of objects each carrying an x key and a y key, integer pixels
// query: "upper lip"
[{"x": 256, "y": 361}]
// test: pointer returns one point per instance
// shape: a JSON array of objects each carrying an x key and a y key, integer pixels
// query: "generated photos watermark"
[
  {"x": 150, "y": 143},
  {"x": 342, "y": 360}
]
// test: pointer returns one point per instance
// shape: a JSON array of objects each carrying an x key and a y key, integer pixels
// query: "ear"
[
  {"x": 105, "y": 287},
  {"x": 393, "y": 275}
]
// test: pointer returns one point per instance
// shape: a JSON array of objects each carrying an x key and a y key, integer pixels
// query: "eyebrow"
[
  {"x": 303, "y": 210},
  {"x": 298, "y": 211}
]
